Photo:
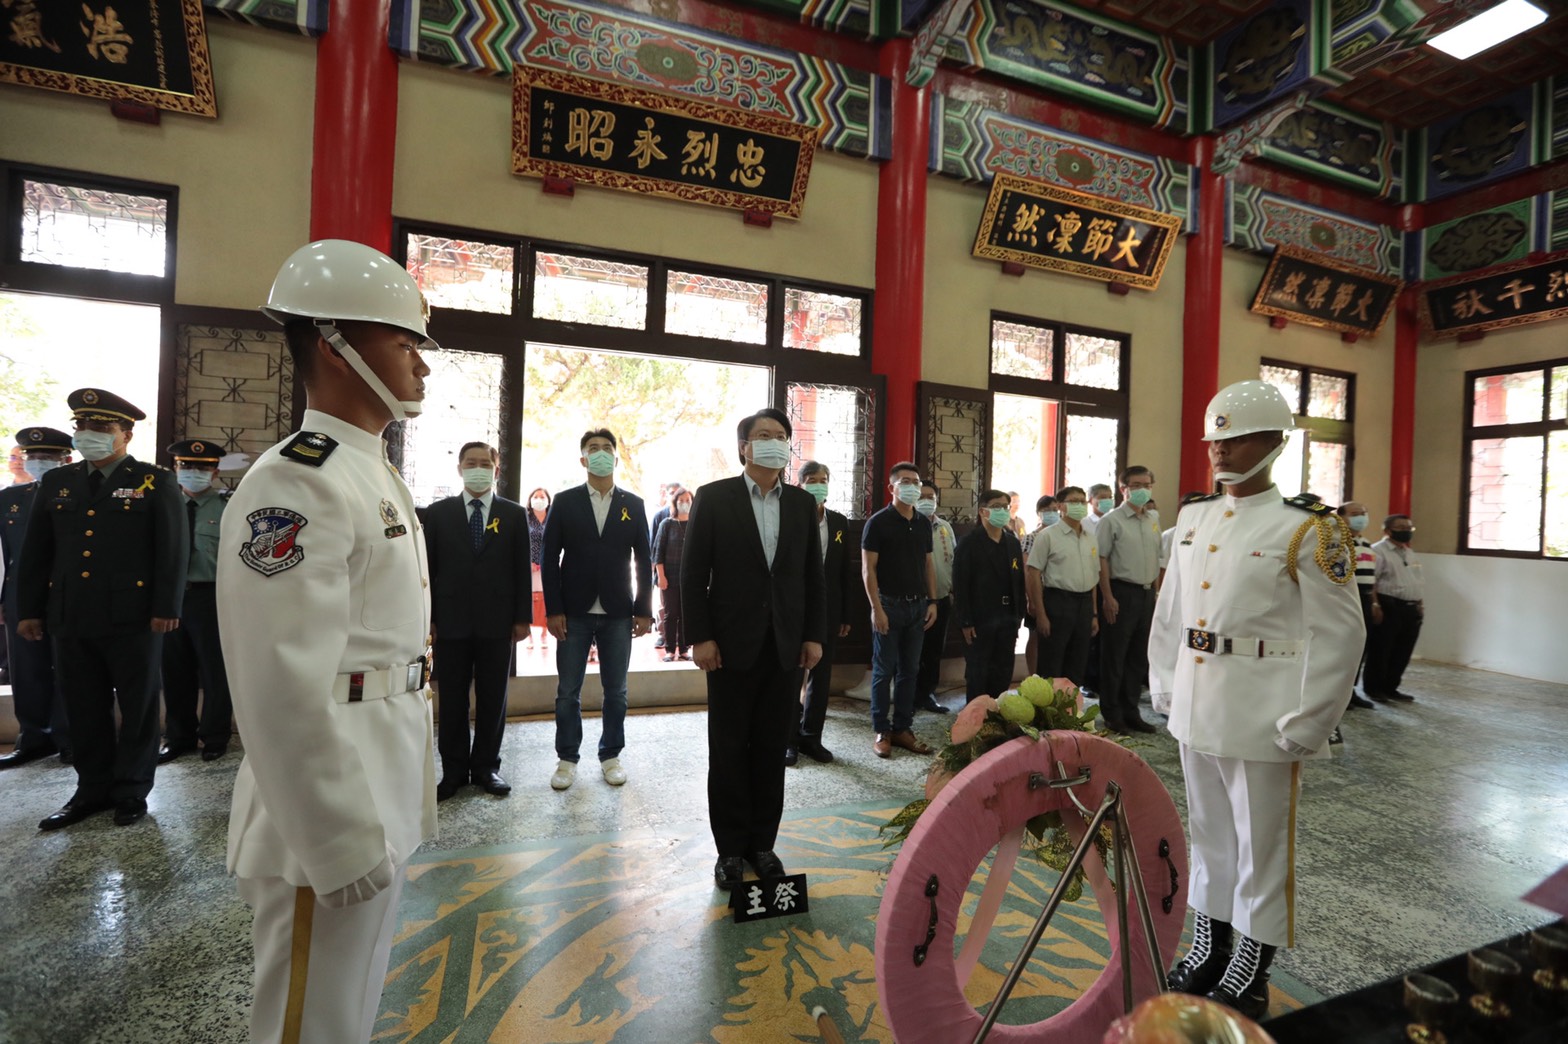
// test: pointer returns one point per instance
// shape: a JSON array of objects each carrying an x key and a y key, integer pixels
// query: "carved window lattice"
[
  {"x": 460, "y": 273},
  {"x": 92, "y": 228},
  {"x": 836, "y": 425},
  {"x": 956, "y": 433},
  {"x": 233, "y": 386}
]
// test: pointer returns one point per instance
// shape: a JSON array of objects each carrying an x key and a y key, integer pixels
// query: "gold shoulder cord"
[{"x": 1322, "y": 554}]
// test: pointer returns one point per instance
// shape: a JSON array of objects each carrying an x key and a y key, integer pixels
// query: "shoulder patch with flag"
[{"x": 274, "y": 540}]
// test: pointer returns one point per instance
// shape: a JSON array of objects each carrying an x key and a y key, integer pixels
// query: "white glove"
[
  {"x": 1161, "y": 702},
  {"x": 367, "y": 887}
]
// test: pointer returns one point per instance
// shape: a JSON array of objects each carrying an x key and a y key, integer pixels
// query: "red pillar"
[
  {"x": 898, "y": 312},
  {"x": 356, "y": 126},
  {"x": 1402, "y": 437},
  {"x": 1200, "y": 326}
]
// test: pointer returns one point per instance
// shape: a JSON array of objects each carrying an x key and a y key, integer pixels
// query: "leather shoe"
[
  {"x": 928, "y": 702},
  {"x": 492, "y": 783},
  {"x": 213, "y": 753},
  {"x": 728, "y": 873},
  {"x": 67, "y": 757},
  {"x": 882, "y": 745},
  {"x": 813, "y": 749},
  {"x": 909, "y": 741},
  {"x": 22, "y": 757},
  {"x": 174, "y": 750},
  {"x": 1357, "y": 701},
  {"x": 74, "y": 811},
  {"x": 1402, "y": 697},
  {"x": 448, "y": 788},
  {"x": 766, "y": 864},
  {"x": 791, "y": 757},
  {"x": 128, "y": 811},
  {"x": 1139, "y": 725}
]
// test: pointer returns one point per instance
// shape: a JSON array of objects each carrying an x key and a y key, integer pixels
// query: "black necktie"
[
  {"x": 94, "y": 481},
  {"x": 476, "y": 523},
  {"x": 190, "y": 513}
]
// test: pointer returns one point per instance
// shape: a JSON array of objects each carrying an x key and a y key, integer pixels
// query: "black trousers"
[
  {"x": 1392, "y": 642},
  {"x": 35, "y": 691},
  {"x": 481, "y": 663},
  {"x": 671, "y": 623},
  {"x": 931, "y": 651},
  {"x": 1124, "y": 652},
  {"x": 748, "y": 725},
  {"x": 988, "y": 660},
  {"x": 1064, "y": 653},
  {"x": 817, "y": 683},
  {"x": 193, "y": 659},
  {"x": 1365, "y": 591},
  {"x": 95, "y": 673}
]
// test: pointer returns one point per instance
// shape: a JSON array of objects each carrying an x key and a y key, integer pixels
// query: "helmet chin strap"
[
  {"x": 1231, "y": 478},
  {"x": 401, "y": 409}
]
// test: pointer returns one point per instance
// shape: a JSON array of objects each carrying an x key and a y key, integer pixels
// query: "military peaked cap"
[
  {"x": 41, "y": 438},
  {"x": 203, "y": 450},
  {"x": 95, "y": 404}
]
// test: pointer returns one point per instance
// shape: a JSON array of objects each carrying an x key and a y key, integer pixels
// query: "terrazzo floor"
[{"x": 1415, "y": 842}]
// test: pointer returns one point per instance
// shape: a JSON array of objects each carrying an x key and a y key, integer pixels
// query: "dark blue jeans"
[
  {"x": 896, "y": 655},
  {"x": 613, "y": 634}
]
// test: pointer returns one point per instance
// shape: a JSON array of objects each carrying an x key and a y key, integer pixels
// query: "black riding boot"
[
  {"x": 1200, "y": 971},
  {"x": 1245, "y": 985}
]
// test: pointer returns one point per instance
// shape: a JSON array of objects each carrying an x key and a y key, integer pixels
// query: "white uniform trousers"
[
  {"x": 1242, "y": 817},
  {"x": 319, "y": 971}
]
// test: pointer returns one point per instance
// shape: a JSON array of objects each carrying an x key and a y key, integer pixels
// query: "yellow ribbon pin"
[
  {"x": 1015, "y": 565},
  {"x": 838, "y": 536},
  {"x": 494, "y": 526},
  {"x": 625, "y": 515},
  {"x": 146, "y": 484}
]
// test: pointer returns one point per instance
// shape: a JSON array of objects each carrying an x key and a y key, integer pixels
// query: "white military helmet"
[
  {"x": 1244, "y": 408},
  {"x": 337, "y": 279}
]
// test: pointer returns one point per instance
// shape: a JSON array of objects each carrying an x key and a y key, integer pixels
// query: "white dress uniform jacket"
[
  {"x": 1227, "y": 575},
  {"x": 322, "y": 573}
]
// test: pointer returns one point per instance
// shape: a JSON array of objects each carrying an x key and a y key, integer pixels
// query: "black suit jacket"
[
  {"x": 107, "y": 563},
  {"x": 478, "y": 594},
  {"x": 580, "y": 564},
  {"x": 843, "y": 594},
  {"x": 980, "y": 581},
  {"x": 728, "y": 592},
  {"x": 16, "y": 506}
]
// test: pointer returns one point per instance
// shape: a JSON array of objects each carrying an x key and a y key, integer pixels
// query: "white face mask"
[
  {"x": 37, "y": 469},
  {"x": 192, "y": 480},
  {"x": 926, "y": 507},
  {"x": 770, "y": 453},
  {"x": 907, "y": 492},
  {"x": 539, "y": 503},
  {"x": 477, "y": 480},
  {"x": 93, "y": 445}
]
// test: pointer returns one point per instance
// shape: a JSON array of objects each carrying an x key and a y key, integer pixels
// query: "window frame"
[
  {"x": 1542, "y": 429},
  {"x": 1323, "y": 429}
]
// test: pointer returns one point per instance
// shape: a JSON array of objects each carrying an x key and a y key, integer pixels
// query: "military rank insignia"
[
  {"x": 390, "y": 517},
  {"x": 274, "y": 540},
  {"x": 310, "y": 447}
]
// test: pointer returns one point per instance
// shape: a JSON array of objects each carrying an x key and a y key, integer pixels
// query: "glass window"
[
  {"x": 590, "y": 290},
  {"x": 836, "y": 424},
  {"x": 1288, "y": 380},
  {"x": 1091, "y": 450},
  {"x": 1508, "y": 398},
  {"x": 1021, "y": 350},
  {"x": 1505, "y": 494},
  {"x": 460, "y": 273},
  {"x": 818, "y": 322},
  {"x": 1326, "y": 471},
  {"x": 462, "y": 404},
  {"x": 1023, "y": 448},
  {"x": 94, "y": 228},
  {"x": 1328, "y": 396},
  {"x": 1557, "y": 495},
  {"x": 1290, "y": 470},
  {"x": 1557, "y": 408},
  {"x": 713, "y": 306},
  {"x": 1093, "y": 362}
]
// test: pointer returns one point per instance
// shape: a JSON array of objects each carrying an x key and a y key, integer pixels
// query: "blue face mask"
[
  {"x": 193, "y": 481},
  {"x": 818, "y": 490},
  {"x": 601, "y": 463},
  {"x": 926, "y": 507},
  {"x": 1050, "y": 518},
  {"x": 37, "y": 469},
  {"x": 907, "y": 492},
  {"x": 998, "y": 517},
  {"x": 93, "y": 445},
  {"x": 1077, "y": 510},
  {"x": 1139, "y": 497},
  {"x": 770, "y": 453},
  {"x": 1357, "y": 522},
  {"x": 1105, "y": 504}
]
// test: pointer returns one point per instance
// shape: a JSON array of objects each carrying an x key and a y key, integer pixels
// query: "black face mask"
[{"x": 1401, "y": 536}]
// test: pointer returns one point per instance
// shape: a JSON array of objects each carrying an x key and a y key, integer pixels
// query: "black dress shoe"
[
  {"x": 766, "y": 864},
  {"x": 1402, "y": 697},
  {"x": 129, "y": 811},
  {"x": 1357, "y": 701},
  {"x": 813, "y": 749},
  {"x": 928, "y": 703},
  {"x": 67, "y": 757},
  {"x": 74, "y": 811},
  {"x": 174, "y": 750},
  {"x": 1139, "y": 725},
  {"x": 492, "y": 783},
  {"x": 791, "y": 756},
  {"x": 728, "y": 873},
  {"x": 213, "y": 753},
  {"x": 448, "y": 788},
  {"x": 22, "y": 757}
]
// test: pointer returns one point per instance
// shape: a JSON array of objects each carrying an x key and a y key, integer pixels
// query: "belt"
[
  {"x": 378, "y": 685},
  {"x": 1070, "y": 594},
  {"x": 1134, "y": 583},
  {"x": 901, "y": 598},
  {"x": 1260, "y": 648}
]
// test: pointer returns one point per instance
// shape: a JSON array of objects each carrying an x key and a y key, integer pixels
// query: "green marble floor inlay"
[{"x": 623, "y": 938}]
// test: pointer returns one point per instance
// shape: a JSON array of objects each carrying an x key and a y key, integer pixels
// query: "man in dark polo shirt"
[{"x": 900, "y": 579}]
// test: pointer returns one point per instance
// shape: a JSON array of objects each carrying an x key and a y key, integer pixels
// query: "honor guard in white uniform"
[
  {"x": 324, "y": 611},
  {"x": 1256, "y": 638}
]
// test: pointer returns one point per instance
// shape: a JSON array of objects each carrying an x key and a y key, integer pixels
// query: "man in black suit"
[
  {"x": 988, "y": 597},
  {"x": 481, "y": 594},
  {"x": 752, "y": 590},
  {"x": 105, "y": 561},
  {"x": 841, "y": 588},
  {"x": 594, "y": 532},
  {"x": 40, "y": 707}
]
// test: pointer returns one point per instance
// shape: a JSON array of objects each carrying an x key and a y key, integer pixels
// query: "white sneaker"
[
  {"x": 613, "y": 773},
  {"x": 565, "y": 773}
]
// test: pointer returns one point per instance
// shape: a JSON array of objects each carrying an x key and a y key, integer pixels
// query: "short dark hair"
[
  {"x": 1044, "y": 502},
  {"x": 987, "y": 495},
  {"x": 597, "y": 433},
  {"x": 1135, "y": 471},
  {"x": 1341, "y": 509},
  {"x": 1067, "y": 491},
  {"x": 495, "y": 456},
  {"x": 903, "y": 465},
  {"x": 301, "y": 336},
  {"x": 813, "y": 467},
  {"x": 743, "y": 429},
  {"x": 1389, "y": 520},
  {"x": 934, "y": 487}
]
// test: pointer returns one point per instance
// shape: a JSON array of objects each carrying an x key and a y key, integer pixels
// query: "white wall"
[{"x": 1496, "y": 614}]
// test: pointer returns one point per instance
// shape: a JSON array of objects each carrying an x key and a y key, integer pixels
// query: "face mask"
[
  {"x": 539, "y": 503},
  {"x": 1077, "y": 511},
  {"x": 401, "y": 409},
  {"x": 1138, "y": 497},
  {"x": 770, "y": 453},
  {"x": 1401, "y": 536},
  {"x": 907, "y": 493},
  {"x": 193, "y": 481},
  {"x": 93, "y": 445},
  {"x": 36, "y": 469},
  {"x": 818, "y": 490},
  {"x": 478, "y": 480},
  {"x": 1357, "y": 522},
  {"x": 1050, "y": 518},
  {"x": 1104, "y": 504},
  {"x": 926, "y": 507},
  {"x": 998, "y": 517},
  {"x": 601, "y": 463},
  {"x": 683, "y": 508},
  {"x": 1231, "y": 478}
]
